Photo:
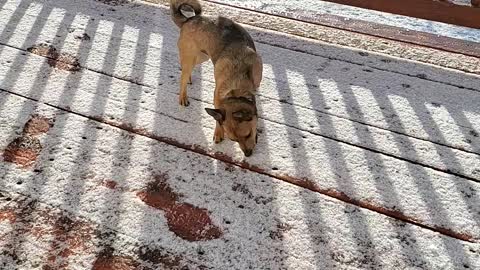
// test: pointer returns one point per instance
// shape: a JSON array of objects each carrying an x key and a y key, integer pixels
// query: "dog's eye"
[{"x": 249, "y": 135}]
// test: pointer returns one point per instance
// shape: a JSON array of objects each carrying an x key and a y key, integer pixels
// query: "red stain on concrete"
[
  {"x": 107, "y": 261},
  {"x": 191, "y": 223},
  {"x": 185, "y": 220},
  {"x": 37, "y": 125},
  {"x": 62, "y": 61},
  {"x": 66, "y": 237},
  {"x": 70, "y": 237},
  {"x": 25, "y": 149},
  {"x": 158, "y": 193},
  {"x": 8, "y": 215},
  {"x": 22, "y": 151},
  {"x": 44, "y": 50},
  {"x": 110, "y": 184}
]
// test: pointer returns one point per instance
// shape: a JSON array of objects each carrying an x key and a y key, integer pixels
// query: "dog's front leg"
[
  {"x": 218, "y": 135},
  {"x": 183, "y": 97}
]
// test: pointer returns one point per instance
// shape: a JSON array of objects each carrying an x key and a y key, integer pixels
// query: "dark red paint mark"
[
  {"x": 70, "y": 238},
  {"x": 191, "y": 223},
  {"x": 107, "y": 261},
  {"x": 185, "y": 220},
  {"x": 37, "y": 125},
  {"x": 110, "y": 184},
  {"x": 25, "y": 149}
]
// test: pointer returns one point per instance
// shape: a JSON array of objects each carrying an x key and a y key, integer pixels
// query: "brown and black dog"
[{"x": 237, "y": 70}]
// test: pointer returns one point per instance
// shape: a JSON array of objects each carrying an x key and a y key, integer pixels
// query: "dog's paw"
[{"x": 183, "y": 100}]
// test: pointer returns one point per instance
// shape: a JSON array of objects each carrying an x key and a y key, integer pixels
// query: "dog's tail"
[{"x": 183, "y": 10}]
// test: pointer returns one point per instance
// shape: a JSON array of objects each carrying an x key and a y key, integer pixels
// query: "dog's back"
[
  {"x": 232, "y": 33},
  {"x": 224, "y": 29}
]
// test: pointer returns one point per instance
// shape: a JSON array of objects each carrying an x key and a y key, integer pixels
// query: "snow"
[
  {"x": 316, "y": 8},
  {"x": 345, "y": 142}
]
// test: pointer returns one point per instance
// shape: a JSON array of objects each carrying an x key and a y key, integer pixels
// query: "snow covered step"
[
  {"x": 296, "y": 103},
  {"x": 433, "y": 111},
  {"x": 351, "y": 173},
  {"x": 154, "y": 19},
  {"x": 113, "y": 197}
]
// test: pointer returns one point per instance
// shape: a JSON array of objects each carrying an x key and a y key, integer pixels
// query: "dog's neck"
[
  {"x": 233, "y": 76},
  {"x": 235, "y": 86}
]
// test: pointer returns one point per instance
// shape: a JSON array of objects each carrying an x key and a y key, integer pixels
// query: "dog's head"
[{"x": 238, "y": 117}]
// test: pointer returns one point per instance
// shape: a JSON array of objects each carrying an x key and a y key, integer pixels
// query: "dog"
[{"x": 238, "y": 70}]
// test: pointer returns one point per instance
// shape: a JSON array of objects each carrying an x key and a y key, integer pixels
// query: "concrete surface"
[{"x": 364, "y": 161}]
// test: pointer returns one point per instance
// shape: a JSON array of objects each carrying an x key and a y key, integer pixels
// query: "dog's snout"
[{"x": 248, "y": 152}]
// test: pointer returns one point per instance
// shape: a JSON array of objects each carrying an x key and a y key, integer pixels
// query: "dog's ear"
[{"x": 216, "y": 114}]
